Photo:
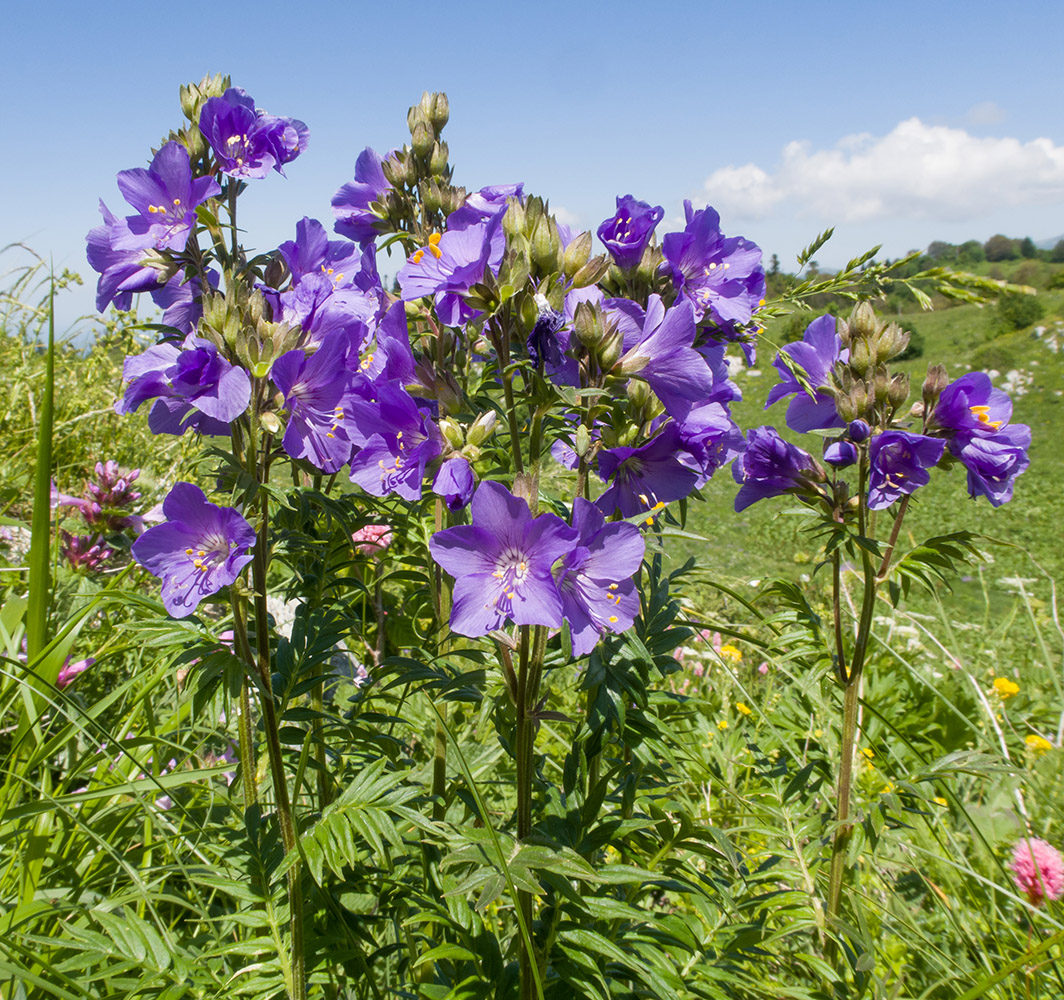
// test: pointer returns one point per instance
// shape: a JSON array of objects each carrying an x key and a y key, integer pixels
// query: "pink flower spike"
[{"x": 1038, "y": 870}]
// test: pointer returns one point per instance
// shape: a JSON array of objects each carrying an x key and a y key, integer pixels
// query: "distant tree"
[
  {"x": 775, "y": 269},
  {"x": 942, "y": 252},
  {"x": 1016, "y": 310},
  {"x": 970, "y": 252},
  {"x": 1056, "y": 255},
  {"x": 1000, "y": 247},
  {"x": 1027, "y": 248}
]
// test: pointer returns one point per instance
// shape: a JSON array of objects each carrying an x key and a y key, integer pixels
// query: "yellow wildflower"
[
  {"x": 745, "y": 709},
  {"x": 731, "y": 653},
  {"x": 868, "y": 752},
  {"x": 1038, "y": 745},
  {"x": 722, "y": 725},
  {"x": 1006, "y": 688},
  {"x": 938, "y": 800}
]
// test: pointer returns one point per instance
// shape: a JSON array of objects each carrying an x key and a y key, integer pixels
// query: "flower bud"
[
  {"x": 483, "y": 427},
  {"x": 438, "y": 160},
  {"x": 577, "y": 254},
  {"x": 429, "y": 193},
  {"x": 840, "y": 454},
  {"x": 394, "y": 169},
  {"x": 858, "y": 431},
  {"x": 587, "y": 325},
  {"x": 452, "y": 432},
  {"x": 515, "y": 220},
  {"x": 863, "y": 320},
  {"x": 546, "y": 245},
  {"x": 858, "y": 399},
  {"x": 440, "y": 112},
  {"x": 936, "y": 381},
  {"x": 860, "y": 356},
  {"x": 276, "y": 272},
  {"x": 270, "y": 422},
  {"x": 583, "y": 441},
  {"x": 609, "y": 349},
  {"x": 842, "y": 327},
  {"x": 892, "y": 340},
  {"x": 422, "y": 139},
  {"x": 845, "y": 408},
  {"x": 917, "y": 410},
  {"x": 898, "y": 392},
  {"x": 639, "y": 394},
  {"x": 881, "y": 385},
  {"x": 592, "y": 272}
]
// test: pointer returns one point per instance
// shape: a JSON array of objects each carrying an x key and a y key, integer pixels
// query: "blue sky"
[{"x": 897, "y": 123}]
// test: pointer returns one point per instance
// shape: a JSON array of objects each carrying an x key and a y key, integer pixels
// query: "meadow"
[{"x": 337, "y": 777}]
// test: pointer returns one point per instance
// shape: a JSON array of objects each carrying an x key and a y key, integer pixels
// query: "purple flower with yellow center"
[
  {"x": 722, "y": 276},
  {"x": 316, "y": 393},
  {"x": 971, "y": 406},
  {"x": 193, "y": 386},
  {"x": 710, "y": 437},
  {"x": 816, "y": 354},
  {"x": 595, "y": 577},
  {"x": 771, "y": 467},
  {"x": 627, "y": 233},
  {"x": 166, "y": 196},
  {"x": 398, "y": 442},
  {"x": 312, "y": 252},
  {"x": 899, "y": 464},
  {"x": 198, "y": 550},
  {"x": 455, "y": 482},
  {"x": 351, "y": 204},
  {"x": 501, "y": 563},
  {"x": 664, "y": 356},
  {"x": 994, "y": 462},
  {"x": 248, "y": 142},
  {"x": 645, "y": 479},
  {"x": 448, "y": 266}
]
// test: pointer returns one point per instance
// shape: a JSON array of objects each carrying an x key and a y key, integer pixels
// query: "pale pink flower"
[
  {"x": 372, "y": 539},
  {"x": 763, "y": 668},
  {"x": 1038, "y": 870}
]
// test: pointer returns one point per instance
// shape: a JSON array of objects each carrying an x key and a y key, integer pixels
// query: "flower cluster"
[
  {"x": 103, "y": 507},
  {"x": 838, "y": 379},
  {"x": 1038, "y": 870}
]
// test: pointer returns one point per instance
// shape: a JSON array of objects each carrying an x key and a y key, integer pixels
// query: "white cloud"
[{"x": 917, "y": 171}]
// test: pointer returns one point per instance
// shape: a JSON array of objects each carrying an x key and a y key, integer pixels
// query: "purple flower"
[
  {"x": 501, "y": 563},
  {"x": 449, "y": 266},
  {"x": 664, "y": 356},
  {"x": 974, "y": 417},
  {"x": 971, "y": 406},
  {"x": 722, "y": 276},
  {"x": 899, "y": 464},
  {"x": 543, "y": 344},
  {"x": 994, "y": 462},
  {"x": 486, "y": 205},
  {"x": 594, "y": 579},
  {"x": 646, "y": 478},
  {"x": 166, "y": 196},
  {"x": 193, "y": 386},
  {"x": 816, "y": 354},
  {"x": 198, "y": 550},
  {"x": 246, "y": 141},
  {"x": 710, "y": 437},
  {"x": 71, "y": 670},
  {"x": 317, "y": 395},
  {"x": 454, "y": 482},
  {"x": 312, "y": 252},
  {"x": 351, "y": 204},
  {"x": 122, "y": 272},
  {"x": 771, "y": 467},
  {"x": 398, "y": 442},
  {"x": 840, "y": 454},
  {"x": 628, "y": 232}
]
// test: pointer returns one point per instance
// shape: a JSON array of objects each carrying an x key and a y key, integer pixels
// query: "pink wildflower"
[
  {"x": 763, "y": 668},
  {"x": 71, "y": 670},
  {"x": 1038, "y": 870},
  {"x": 372, "y": 539}
]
